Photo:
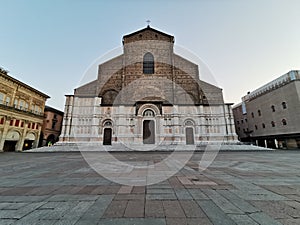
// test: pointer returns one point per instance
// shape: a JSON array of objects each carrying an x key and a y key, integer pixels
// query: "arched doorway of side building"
[
  {"x": 28, "y": 142},
  {"x": 11, "y": 141},
  {"x": 50, "y": 140}
]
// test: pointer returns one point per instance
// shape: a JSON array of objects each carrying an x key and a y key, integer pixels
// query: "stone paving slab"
[
  {"x": 166, "y": 196},
  {"x": 188, "y": 221},
  {"x": 134, "y": 209},
  {"x": 238, "y": 188},
  {"x": 242, "y": 219},
  {"x": 192, "y": 209},
  {"x": 132, "y": 221},
  {"x": 154, "y": 208},
  {"x": 278, "y": 209},
  {"x": 7, "y": 221},
  {"x": 263, "y": 219},
  {"x": 214, "y": 213},
  {"x": 116, "y": 209},
  {"x": 74, "y": 214},
  {"x": 243, "y": 205},
  {"x": 290, "y": 221},
  {"x": 96, "y": 211},
  {"x": 173, "y": 209},
  {"x": 222, "y": 202},
  {"x": 183, "y": 194},
  {"x": 197, "y": 194}
]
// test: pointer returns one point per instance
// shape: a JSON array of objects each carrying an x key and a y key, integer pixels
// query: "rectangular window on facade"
[
  {"x": 284, "y": 122},
  {"x": 2, "y": 120},
  {"x": 17, "y": 122},
  {"x": 22, "y": 124},
  {"x": 11, "y": 122},
  {"x": 28, "y": 125},
  {"x": 259, "y": 112},
  {"x": 7, "y": 100},
  {"x": 244, "y": 110},
  {"x": 53, "y": 124},
  {"x": 284, "y": 105},
  {"x": 37, "y": 126},
  {"x": 16, "y": 103},
  {"x": 1, "y": 98},
  {"x": 273, "y": 108},
  {"x": 32, "y": 125},
  {"x": 36, "y": 109},
  {"x": 21, "y": 104}
]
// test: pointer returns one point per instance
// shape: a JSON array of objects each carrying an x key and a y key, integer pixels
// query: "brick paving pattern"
[{"x": 238, "y": 188}]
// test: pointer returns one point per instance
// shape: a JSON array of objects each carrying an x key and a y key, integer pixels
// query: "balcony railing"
[{"x": 21, "y": 110}]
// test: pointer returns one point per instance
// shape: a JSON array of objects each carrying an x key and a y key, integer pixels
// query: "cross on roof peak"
[{"x": 148, "y": 22}]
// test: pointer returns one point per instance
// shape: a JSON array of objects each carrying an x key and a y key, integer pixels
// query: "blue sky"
[{"x": 50, "y": 44}]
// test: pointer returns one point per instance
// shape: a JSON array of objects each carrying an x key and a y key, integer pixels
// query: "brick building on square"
[
  {"x": 21, "y": 114},
  {"x": 52, "y": 125}
]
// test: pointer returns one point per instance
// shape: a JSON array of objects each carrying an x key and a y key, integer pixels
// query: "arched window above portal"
[
  {"x": 148, "y": 113},
  {"x": 189, "y": 123},
  {"x": 148, "y": 63},
  {"x": 107, "y": 123}
]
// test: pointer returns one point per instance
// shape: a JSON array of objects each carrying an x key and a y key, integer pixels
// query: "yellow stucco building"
[{"x": 21, "y": 114}]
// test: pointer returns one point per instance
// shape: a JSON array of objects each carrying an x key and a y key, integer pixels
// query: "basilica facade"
[{"x": 147, "y": 96}]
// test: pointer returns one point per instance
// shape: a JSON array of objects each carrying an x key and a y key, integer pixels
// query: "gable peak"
[{"x": 147, "y": 33}]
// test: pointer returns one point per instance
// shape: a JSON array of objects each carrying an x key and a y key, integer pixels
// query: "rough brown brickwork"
[{"x": 127, "y": 70}]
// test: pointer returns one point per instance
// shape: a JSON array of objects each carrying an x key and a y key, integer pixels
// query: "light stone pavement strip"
[{"x": 238, "y": 188}]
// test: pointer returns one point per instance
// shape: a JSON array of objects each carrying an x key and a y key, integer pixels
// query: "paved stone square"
[{"x": 238, "y": 188}]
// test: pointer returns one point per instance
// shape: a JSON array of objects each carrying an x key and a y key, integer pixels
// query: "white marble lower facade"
[{"x": 85, "y": 120}]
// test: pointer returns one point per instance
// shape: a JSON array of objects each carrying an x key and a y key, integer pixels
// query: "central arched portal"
[{"x": 148, "y": 132}]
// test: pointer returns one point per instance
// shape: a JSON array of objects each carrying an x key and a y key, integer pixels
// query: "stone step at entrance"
[{"x": 75, "y": 147}]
